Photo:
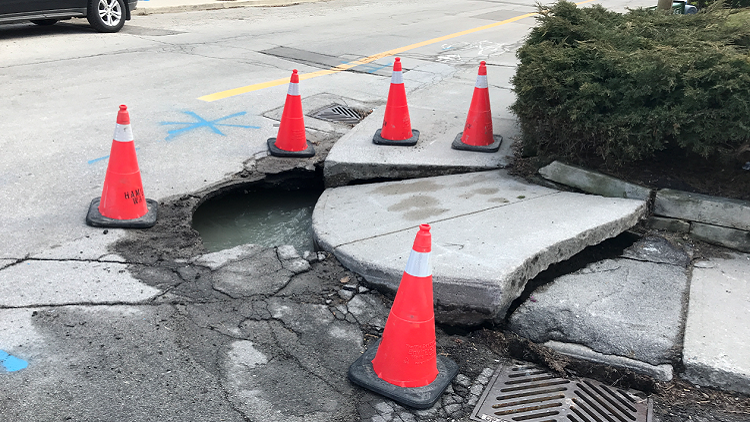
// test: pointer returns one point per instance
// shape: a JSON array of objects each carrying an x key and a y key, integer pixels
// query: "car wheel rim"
[{"x": 110, "y": 12}]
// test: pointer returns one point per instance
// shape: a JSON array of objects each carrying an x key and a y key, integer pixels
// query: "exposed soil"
[
  {"x": 669, "y": 169},
  {"x": 692, "y": 174}
]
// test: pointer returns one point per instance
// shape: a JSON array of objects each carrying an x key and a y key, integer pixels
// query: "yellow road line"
[{"x": 342, "y": 67}]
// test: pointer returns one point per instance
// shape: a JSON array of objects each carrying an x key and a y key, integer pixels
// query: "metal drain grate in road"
[
  {"x": 338, "y": 113},
  {"x": 530, "y": 393}
]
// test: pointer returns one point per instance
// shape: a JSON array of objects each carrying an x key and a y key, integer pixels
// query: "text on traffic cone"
[{"x": 122, "y": 195}]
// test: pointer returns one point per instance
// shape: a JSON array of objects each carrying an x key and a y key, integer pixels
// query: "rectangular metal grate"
[
  {"x": 338, "y": 113},
  {"x": 525, "y": 392}
]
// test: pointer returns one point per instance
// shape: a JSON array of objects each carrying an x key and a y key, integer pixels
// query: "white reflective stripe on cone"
[
  {"x": 293, "y": 89},
  {"x": 419, "y": 264},
  {"x": 397, "y": 77},
  {"x": 123, "y": 133},
  {"x": 482, "y": 81}
]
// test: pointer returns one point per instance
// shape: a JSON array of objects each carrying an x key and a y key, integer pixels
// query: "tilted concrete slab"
[
  {"x": 491, "y": 233},
  {"x": 626, "y": 312},
  {"x": 717, "y": 334},
  {"x": 355, "y": 157},
  {"x": 618, "y": 308}
]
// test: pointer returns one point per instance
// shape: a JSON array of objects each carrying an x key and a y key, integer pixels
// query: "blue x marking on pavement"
[
  {"x": 201, "y": 122},
  {"x": 11, "y": 363}
]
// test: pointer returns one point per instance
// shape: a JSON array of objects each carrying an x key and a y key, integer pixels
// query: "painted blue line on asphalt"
[
  {"x": 102, "y": 158},
  {"x": 12, "y": 363},
  {"x": 201, "y": 122},
  {"x": 98, "y": 159}
]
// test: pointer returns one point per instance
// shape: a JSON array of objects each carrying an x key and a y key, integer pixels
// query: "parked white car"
[{"x": 103, "y": 15}]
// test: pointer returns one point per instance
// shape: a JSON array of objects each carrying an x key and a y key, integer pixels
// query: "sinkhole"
[{"x": 268, "y": 213}]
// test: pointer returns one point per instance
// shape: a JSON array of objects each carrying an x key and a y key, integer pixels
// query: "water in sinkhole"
[{"x": 266, "y": 217}]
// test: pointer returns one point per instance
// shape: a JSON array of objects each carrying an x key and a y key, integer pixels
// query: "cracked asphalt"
[
  {"x": 249, "y": 334},
  {"x": 144, "y": 325}
]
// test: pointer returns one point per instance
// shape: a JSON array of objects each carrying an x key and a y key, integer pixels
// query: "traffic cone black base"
[
  {"x": 278, "y": 152},
  {"x": 95, "y": 218},
  {"x": 377, "y": 139},
  {"x": 362, "y": 374},
  {"x": 493, "y": 147}
]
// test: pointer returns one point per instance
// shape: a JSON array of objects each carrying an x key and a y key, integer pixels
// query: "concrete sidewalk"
[{"x": 146, "y": 7}]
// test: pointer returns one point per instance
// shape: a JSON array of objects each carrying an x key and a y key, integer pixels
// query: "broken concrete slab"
[
  {"x": 40, "y": 282},
  {"x": 722, "y": 236},
  {"x": 731, "y": 213},
  {"x": 592, "y": 182},
  {"x": 291, "y": 260},
  {"x": 663, "y": 372},
  {"x": 657, "y": 249},
  {"x": 261, "y": 273},
  {"x": 717, "y": 336},
  {"x": 616, "y": 307},
  {"x": 491, "y": 233},
  {"x": 368, "y": 310},
  {"x": 355, "y": 157},
  {"x": 215, "y": 260}
]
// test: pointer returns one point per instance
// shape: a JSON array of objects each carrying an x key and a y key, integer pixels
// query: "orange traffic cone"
[
  {"x": 291, "y": 140},
  {"x": 396, "y": 123},
  {"x": 404, "y": 365},
  {"x": 122, "y": 203},
  {"x": 477, "y": 134}
]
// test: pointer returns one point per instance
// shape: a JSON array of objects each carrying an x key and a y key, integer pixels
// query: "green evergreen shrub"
[{"x": 595, "y": 83}]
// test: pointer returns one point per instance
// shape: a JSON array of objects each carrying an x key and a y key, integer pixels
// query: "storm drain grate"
[
  {"x": 339, "y": 113},
  {"x": 530, "y": 393}
]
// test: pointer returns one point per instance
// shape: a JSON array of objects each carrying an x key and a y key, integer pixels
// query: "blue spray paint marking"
[
  {"x": 12, "y": 363},
  {"x": 102, "y": 158},
  {"x": 371, "y": 67},
  {"x": 201, "y": 122}
]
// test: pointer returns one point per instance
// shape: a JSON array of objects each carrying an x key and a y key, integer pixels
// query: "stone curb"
[
  {"x": 723, "y": 236},
  {"x": 144, "y": 11},
  {"x": 720, "y": 221},
  {"x": 663, "y": 372},
  {"x": 706, "y": 209},
  {"x": 593, "y": 182}
]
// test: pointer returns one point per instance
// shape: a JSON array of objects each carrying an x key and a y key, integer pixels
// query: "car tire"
[
  {"x": 44, "y": 22},
  {"x": 106, "y": 15}
]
